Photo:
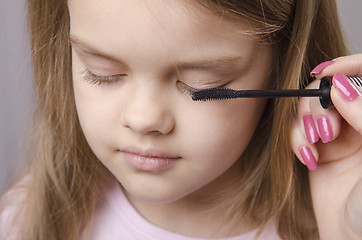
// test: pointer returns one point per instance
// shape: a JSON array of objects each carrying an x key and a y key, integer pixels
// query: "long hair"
[
  {"x": 66, "y": 177},
  {"x": 64, "y": 173},
  {"x": 273, "y": 183}
]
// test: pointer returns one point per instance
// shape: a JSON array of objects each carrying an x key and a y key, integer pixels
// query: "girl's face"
[{"x": 135, "y": 64}]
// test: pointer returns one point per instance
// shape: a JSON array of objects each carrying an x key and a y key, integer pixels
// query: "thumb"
[
  {"x": 347, "y": 99},
  {"x": 353, "y": 212}
]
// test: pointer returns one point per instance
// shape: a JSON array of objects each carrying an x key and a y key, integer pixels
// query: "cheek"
[
  {"x": 95, "y": 114},
  {"x": 94, "y": 107},
  {"x": 224, "y": 129}
]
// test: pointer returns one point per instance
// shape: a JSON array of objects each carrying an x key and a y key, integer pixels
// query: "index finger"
[{"x": 348, "y": 65}]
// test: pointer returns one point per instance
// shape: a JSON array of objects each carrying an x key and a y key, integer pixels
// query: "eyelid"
[
  {"x": 204, "y": 79},
  {"x": 207, "y": 83},
  {"x": 190, "y": 90},
  {"x": 191, "y": 81},
  {"x": 101, "y": 79},
  {"x": 103, "y": 66},
  {"x": 186, "y": 88}
]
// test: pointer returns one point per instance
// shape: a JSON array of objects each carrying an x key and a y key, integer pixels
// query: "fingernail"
[
  {"x": 310, "y": 129},
  {"x": 325, "y": 129},
  {"x": 345, "y": 87},
  {"x": 319, "y": 68},
  {"x": 308, "y": 158}
]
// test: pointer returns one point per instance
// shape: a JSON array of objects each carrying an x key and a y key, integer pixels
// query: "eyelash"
[
  {"x": 100, "y": 80},
  {"x": 190, "y": 90},
  {"x": 107, "y": 80},
  {"x": 184, "y": 88}
]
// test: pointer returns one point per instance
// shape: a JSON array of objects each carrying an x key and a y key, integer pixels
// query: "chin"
[{"x": 155, "y": 194}]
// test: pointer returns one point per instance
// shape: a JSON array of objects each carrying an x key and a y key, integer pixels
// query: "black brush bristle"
[{"x": 214, "y": 94}]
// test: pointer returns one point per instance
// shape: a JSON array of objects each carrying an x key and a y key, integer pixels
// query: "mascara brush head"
[{"x": 209, "y": 94}]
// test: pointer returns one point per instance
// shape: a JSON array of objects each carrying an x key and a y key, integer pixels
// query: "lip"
[{"x": 148, "y": 160}]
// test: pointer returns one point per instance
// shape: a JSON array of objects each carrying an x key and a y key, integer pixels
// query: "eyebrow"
[
  {"x": 89, "y": 49},
  {"x": 217, "y": 64}
]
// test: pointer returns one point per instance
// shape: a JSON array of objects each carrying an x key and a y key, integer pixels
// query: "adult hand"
[{"x": 329, "y": 143}]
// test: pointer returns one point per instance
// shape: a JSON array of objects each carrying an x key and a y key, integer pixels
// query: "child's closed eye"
[
  {"x": 102, "y": 79},
  {"x": 184, "y": 88},
  {"x": 92, "y": 78}
]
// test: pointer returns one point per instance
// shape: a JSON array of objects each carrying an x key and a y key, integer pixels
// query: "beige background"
[{"x": 16, "y": 95}]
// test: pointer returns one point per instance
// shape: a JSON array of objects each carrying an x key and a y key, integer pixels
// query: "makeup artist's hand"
[{"x": 332, "y": 138}]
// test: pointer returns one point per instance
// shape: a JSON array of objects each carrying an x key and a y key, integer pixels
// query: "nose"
[{"x": 147, "y": 113}]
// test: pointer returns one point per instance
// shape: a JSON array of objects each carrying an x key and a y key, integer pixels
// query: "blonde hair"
[{"x": 66, "y": 176}]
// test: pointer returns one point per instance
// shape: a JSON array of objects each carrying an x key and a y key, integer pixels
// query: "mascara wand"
[{"x": 225, "y": 93}]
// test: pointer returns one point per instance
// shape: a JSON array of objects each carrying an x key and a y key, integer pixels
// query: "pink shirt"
[{"x": 115, "y": 219}]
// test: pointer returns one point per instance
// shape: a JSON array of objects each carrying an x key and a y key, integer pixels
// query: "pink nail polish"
[
  {"x": 310, "y": 129},
  {"x": 325, "y": 129},
  {"x": 345, "y": 87},
  {"x": 319, "y": 68},
  {"x": 308, "y": 158}
]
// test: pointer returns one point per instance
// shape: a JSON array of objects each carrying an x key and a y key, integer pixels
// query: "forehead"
[
  {"x": 160, "y": 10},
  {"x": 153, "y": 17},
  {"x": 173, "y": 30}
]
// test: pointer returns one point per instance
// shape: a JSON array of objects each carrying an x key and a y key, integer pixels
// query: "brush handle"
[
  {"x": 224, "y": 93},
  {"x": 325, "y": 88},
  {"x": 356, "y": 80},
  {"x": 325, "y": 97}
]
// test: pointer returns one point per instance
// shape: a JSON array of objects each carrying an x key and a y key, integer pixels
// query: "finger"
[
  {"x": 348, "y": 65},
  {"x": 306, "y": 153},
  {"x": 317, "y": 122},
  {"x": 347, "y": 99},
  {"x": 305, "y": 118},
  {"x": 304, "y": 133},
  {"x": 353, "y": 210},
  {"x": 327, "y": 121}
]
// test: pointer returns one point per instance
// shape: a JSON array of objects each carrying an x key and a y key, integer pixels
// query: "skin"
[
  {"x": 336, "y": 185},
  {"x": 155, "y": 53}
]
